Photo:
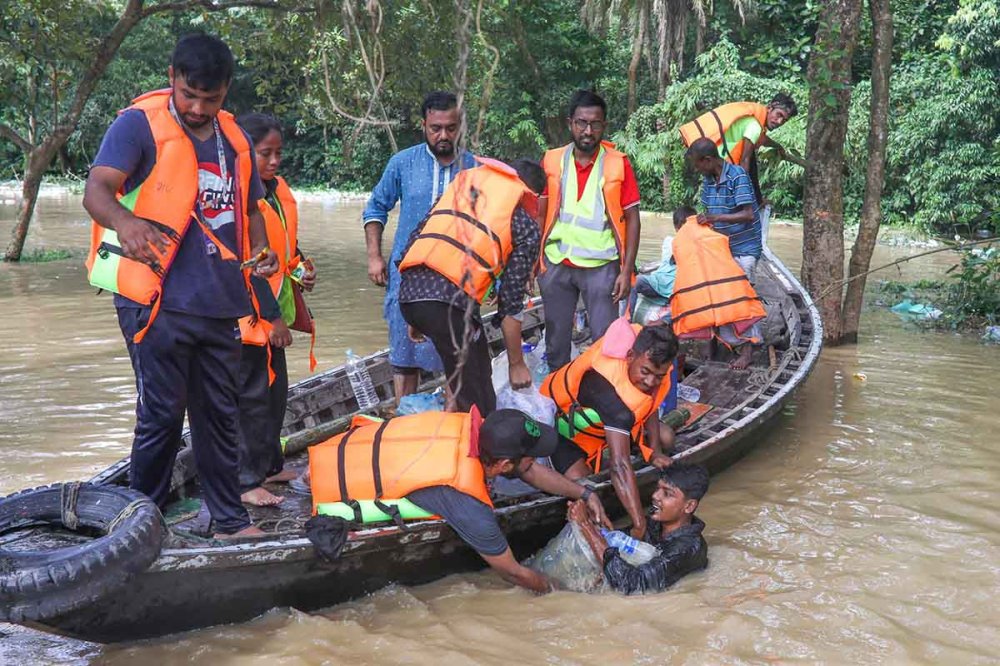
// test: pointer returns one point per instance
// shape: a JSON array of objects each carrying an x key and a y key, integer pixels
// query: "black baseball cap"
[{"x": 510, "y": 433}]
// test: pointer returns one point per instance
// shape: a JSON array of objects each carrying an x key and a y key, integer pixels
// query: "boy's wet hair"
[
  {"x": 205, "y": 62},
  {"x": 258, "y": 125},
  {"x": 692, "y": 480},
  {"x": 681, "y": 214},
  {"x": 659, "y": 341}
]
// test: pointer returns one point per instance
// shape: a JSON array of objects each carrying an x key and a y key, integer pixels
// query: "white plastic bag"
[{"x": 569, "y": 561}]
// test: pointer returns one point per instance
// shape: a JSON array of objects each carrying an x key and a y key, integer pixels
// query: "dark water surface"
[{"x": 863, "y": 529}]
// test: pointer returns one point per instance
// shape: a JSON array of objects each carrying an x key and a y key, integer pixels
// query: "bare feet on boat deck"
[
  {"x": 251, "y": 531},
  {"x": 261, "y": 497},
  {"x": 284, "y": 476},
  {"x": 742, "y": 362}
]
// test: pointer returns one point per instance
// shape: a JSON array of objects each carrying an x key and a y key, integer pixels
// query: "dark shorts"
[{"x": 566, "y": 455}]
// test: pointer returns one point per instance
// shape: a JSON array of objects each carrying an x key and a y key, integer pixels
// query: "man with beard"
[
  {"x": 177, "y": 232},
  {"x": 591, "y": 228},
  {"x": 416, "y": 178}
]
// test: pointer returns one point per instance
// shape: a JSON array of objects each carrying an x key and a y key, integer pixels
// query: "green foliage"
[
  {"x": 42, "y": 255},
  {"x": 974, "y": 294}
]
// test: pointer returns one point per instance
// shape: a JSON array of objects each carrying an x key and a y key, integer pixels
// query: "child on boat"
[{"x": 263, "y": 370}]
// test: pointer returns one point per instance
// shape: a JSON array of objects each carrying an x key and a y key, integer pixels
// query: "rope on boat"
[{"x": 125, "y": 513}]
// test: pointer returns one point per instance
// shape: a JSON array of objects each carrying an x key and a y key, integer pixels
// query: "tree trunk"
[
  {"x": 878, "y": 130},
  {"x": 823, "y": 209},
  {"x": 40, "y": 153},
  {"x": 633, "y": 66}
]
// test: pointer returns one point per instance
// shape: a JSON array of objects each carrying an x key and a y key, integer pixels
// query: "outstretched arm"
[
  {"x": 623, "y": 479},
  {"x": 550, "y": 481},
  {"x": 516, "y": 573}
]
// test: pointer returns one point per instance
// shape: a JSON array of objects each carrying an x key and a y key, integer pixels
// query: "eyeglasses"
[{"x": 594, "y": 125}]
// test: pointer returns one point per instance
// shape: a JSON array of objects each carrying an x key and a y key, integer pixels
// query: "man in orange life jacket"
[
  {"x": 443, "y": 463},
  {"x": 172, "y": 249},
  {"x": 590, "y": 211},
  {"x": 608, "y": 397},
  {"x": 481, "y": 227},
  {"x": 744, "y": 129}
]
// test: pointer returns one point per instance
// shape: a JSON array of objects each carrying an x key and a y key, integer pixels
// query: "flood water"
[{"x": 863, "y": 529}]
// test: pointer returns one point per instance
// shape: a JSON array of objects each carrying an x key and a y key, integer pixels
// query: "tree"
[
  {"x": 878, "y": 133},
  {"x": 829, "y": 77},
  {"x": 50, "y": 45}
]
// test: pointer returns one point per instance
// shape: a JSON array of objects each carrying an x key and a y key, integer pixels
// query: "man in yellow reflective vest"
[{"x": 590, "y": 236}]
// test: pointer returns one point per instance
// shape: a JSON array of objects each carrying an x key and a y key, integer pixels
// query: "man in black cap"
[{"x": 509, "y": 441}]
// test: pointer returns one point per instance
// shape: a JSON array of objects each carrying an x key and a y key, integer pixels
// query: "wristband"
[{"x": 587, "y": 492}]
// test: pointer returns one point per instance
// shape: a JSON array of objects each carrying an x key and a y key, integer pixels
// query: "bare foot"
[
  {"x": 261, "y": 497},
  {"x": 284, "y": 476},
  {"x": 742, "y": 362},
  {"x": 251, "y": 531}
]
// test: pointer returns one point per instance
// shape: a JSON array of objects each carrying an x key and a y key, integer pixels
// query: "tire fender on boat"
[{"x": 39, "y": 584}]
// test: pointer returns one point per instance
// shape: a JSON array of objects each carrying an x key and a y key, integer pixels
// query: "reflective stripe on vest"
[
  {"x": 167, "y": 198},
  {"x": 391, "y": 459},
  {"x": 710, "y": 288},
  {"x": 467, "y": 235},
  {"x": 581, "y": 423},
  {"x": 582, "y": 233}
]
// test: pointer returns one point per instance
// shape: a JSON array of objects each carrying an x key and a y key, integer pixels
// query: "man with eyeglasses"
[{"x": 591, "y": 228}]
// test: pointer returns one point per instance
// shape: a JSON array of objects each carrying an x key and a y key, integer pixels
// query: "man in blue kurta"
[{"x": 416, "y": 178}]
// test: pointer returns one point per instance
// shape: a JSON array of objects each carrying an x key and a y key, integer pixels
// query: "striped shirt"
[{"x": 731, "y": 192}]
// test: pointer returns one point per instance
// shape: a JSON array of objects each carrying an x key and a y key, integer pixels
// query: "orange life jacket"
[
  {"x": 167, "y": 198},
  {"x": 391, "y": 459},
  {"x": 466, "y": 237},
  {"x": 282, "y": 237},
  {"x": 710, "y": 288},
  {"x": 715, "y": 123},
  {"x": 563, "y": 386},
  {"x": 613, "y": 176}
]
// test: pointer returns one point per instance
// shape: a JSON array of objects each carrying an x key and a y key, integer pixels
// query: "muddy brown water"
[{"x": 862, "y": 529}]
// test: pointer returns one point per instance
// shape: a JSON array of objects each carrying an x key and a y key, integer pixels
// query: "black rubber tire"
[{"x": 37, "y": 585}]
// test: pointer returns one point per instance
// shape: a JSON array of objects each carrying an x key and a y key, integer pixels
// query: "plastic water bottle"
[
  {"x": 361, "y": 382},
  {"x": 633, "y": 551},
  {"x": 688, "y": 393}
]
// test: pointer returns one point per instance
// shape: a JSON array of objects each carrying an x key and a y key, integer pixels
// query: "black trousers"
[
  {"x": 262, "y": 411},
  {"x": 187, "y": 363},
  {"x": 444, "y": 326}
]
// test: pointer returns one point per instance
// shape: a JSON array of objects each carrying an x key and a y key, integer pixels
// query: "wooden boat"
[{"x": 199, "y": 582}]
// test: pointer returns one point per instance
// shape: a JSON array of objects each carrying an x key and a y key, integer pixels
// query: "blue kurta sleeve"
[{"x": 385, "y": 195}]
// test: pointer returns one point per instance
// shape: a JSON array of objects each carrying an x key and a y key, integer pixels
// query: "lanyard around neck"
[{"x": 219, "y": 149}]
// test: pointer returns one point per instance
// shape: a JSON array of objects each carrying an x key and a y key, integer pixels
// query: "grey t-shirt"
[{"x": 474, "y": 521}]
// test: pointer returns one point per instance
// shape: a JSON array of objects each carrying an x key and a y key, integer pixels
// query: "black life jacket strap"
[
  {"x": 708, "y": 283},
  {"x": 341, "y": 458}
]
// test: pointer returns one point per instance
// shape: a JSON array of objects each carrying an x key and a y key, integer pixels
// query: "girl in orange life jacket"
[
  {"x": 263, "y": 369},
  {"x": 615, "y": 388}
]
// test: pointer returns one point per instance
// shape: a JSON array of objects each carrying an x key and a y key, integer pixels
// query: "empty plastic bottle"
[
  {"x": 632, "y": 550},
  {"x": 361, "y": 381}
]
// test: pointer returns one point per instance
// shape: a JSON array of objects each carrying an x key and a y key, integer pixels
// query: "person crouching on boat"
[
  {"x": 608, "y": 397},
  {"x": 263, "y": 370},
  {"x": 443, "y": 462},
  {"x": 481, "y": 226},
  {"x": 672, "y": 528}
]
